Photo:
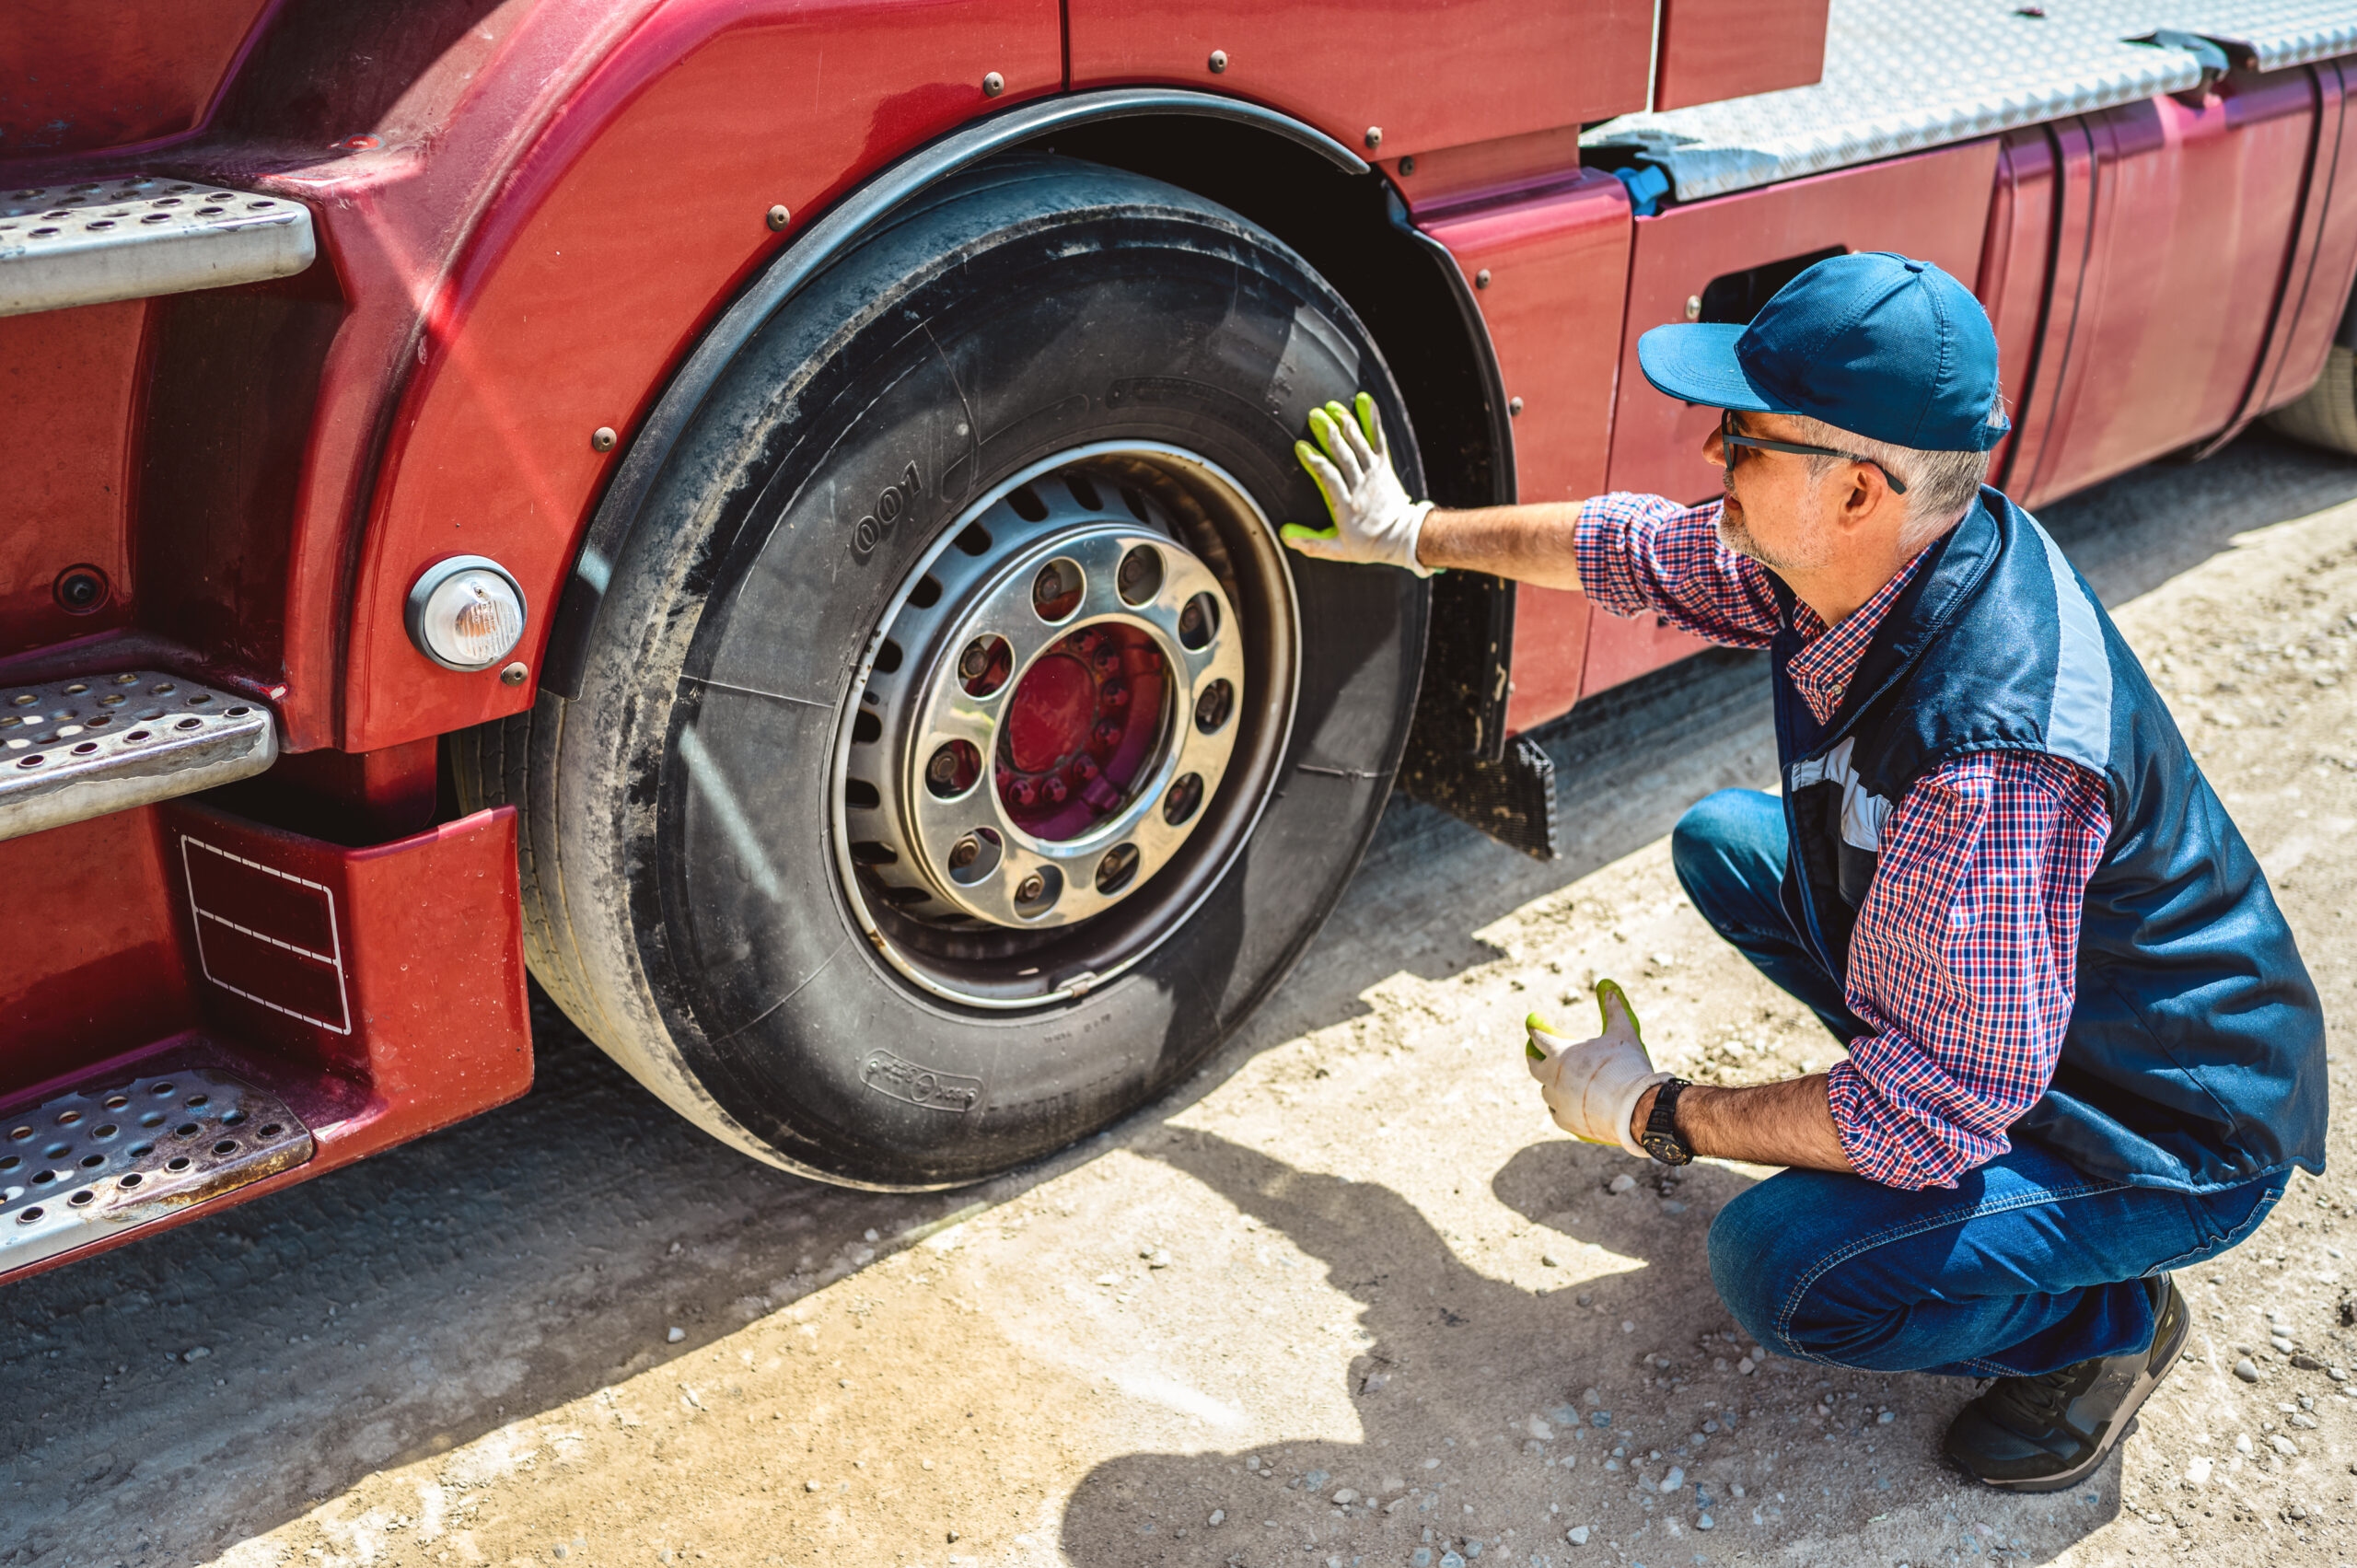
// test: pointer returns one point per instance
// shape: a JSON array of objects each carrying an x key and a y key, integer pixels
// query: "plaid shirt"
[{"x": 1964, "y": 957}]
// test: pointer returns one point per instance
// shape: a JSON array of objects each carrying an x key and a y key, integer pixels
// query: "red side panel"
[
  {"x": 69, "y": 403},
  {"x": 1934, "y": 206},
  {"x": 95, "y": 956},
  {"x": 2324, "y": 259},
  {"x": 76, "y": 75},
  {"x": 2014, "y": 262},
  {"x": 398, "y": 968},
  {"x": 1721, "y": 49},
  {"x": 1551, "y": 268},
  {"x": 2194, "y": 213},
  {"x": 613, "y": 244},
  {"x": 1429, "y": 73}
]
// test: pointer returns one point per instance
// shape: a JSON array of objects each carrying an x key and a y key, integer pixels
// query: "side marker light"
[{"x": 466, "y": 614}]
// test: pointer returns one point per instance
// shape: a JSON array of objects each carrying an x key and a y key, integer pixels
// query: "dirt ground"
[{"x": 1347, "y": 1299}]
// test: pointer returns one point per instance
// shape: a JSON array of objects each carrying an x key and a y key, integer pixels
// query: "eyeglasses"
[{"x": 1730, "y": 438}]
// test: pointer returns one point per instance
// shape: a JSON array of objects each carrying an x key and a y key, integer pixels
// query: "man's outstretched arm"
[{"x": 1788, "y": 1123}]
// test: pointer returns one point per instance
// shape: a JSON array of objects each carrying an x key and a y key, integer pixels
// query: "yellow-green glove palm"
[
  {"x": 1592, "y": 1086},
  {"x": 1374, "y": 519}
]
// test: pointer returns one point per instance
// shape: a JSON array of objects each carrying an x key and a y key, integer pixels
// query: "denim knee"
[
  {"x": 1727, "y": 839},
  {"x": 1749, "y": 1265}
]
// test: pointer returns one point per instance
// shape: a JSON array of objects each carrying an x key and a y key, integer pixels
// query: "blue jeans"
[{"x": 2026, "y": 1265}]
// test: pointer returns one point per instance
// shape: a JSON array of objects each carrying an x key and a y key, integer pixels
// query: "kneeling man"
[{"x": 2083, "y": 1050}]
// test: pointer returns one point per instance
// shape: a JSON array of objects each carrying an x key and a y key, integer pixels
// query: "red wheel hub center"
[{"x": 1080, "y": 727}]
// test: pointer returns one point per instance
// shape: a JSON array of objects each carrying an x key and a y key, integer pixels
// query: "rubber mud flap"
[{"x": 683, "y": 811}]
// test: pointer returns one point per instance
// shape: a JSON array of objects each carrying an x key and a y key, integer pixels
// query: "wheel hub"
[{"x": 1049, "y": 707}]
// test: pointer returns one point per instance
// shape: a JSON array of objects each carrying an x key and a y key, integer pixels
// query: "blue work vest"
[{"x": 2195, "y": 1056}]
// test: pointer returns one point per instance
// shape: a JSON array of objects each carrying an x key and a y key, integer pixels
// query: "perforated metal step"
[
  {"x": 72, "y": 749},
  {"x": 114, "y": 1156},
  {"x": 1901, "y": 75},
  {"x": 139, "y": 235}
]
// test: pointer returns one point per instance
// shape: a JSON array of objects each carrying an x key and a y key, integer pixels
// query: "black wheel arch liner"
[{"x": 1456, "y": 756}]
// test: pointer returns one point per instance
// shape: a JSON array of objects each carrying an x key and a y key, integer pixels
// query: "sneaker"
[{"x": 2050, "y": 1433}]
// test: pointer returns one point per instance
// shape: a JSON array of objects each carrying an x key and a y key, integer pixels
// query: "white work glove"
[
  {"x": 1592, "y": 1086},
  {"x": 1374, "y": 519}
]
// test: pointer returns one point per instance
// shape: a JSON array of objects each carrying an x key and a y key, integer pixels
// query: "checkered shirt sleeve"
[
  {"x": 1641, "y": 553},
  {"x": 1963, "y": 961}
]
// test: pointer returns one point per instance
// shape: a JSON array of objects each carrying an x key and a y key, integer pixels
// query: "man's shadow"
[{"x": 1457, "y": 1364}]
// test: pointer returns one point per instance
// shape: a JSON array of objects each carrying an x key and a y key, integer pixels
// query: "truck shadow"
[{"x": 1496, "y": 1417}]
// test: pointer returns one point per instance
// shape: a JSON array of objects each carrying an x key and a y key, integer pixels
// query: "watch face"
[{"x": 1666, "y": 1149}]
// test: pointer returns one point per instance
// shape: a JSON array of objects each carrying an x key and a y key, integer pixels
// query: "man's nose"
[{"x": 1713, "y": 452}]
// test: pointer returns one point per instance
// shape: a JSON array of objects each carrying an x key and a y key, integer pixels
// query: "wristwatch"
[{"x": 1661, "y": 1137}]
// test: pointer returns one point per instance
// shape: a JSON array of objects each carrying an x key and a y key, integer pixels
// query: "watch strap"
[{"x": 1661, "y": 1124}]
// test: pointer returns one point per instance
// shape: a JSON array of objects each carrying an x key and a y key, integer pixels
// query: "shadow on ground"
[{"x": 211, "y": 1382}]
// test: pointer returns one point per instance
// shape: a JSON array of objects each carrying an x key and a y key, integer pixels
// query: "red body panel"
[
  {"x": 1720, "y": 49},
  {"x": 600, "y": 226},
  {"x": 1551, "y": 267},
  {"x": 412, "y": 1016},
  {"x": 76, "y": 75},
  {"x": 2194, "y": 210},
  {"x": 1429, "y": 73},
  {"x": 2015, "y": 259},
  {"x": 71, "y": 385}
]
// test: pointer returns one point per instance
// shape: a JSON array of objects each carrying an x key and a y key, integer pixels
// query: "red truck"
[{"x": 761, "y": 513}]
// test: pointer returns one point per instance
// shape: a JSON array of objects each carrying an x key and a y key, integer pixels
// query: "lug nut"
[
  {"x": 1082, "y": 642},
  {"x": 963, "y": 852},
  {"x": 1054, "y": 788},
  {"x": 952, "y": 768},
  {"x": 1049, "y": 587},
  {"x": 1108, "y": 662},
  {"x": 1107, "y": 735},
  {"x": 1032, "y": 889},
  {"x": 1115, "y": 868},
  {"x": 1084, "y": 768},
  {"x": 1184, "y": 796},
  {"x": 1213, "y": 707},
  {"x": 1114, "y": 696},
  {"x": 1025, "y": 792},
  {"x": 1191, "y": 620},
  {"x": 944, "y": 766},
  {"x": 975, "y": 662}
]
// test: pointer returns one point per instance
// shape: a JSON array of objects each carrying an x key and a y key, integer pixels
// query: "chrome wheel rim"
[{"x": 1065, "y": 724}]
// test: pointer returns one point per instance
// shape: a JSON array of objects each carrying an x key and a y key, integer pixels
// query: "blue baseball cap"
[{"x": 1891, "y": 348}]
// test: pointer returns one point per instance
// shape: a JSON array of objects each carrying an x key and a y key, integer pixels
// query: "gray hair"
[{"x": 1940, "y": 485}]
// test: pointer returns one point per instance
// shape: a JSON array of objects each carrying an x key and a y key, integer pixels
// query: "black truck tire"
[
  {"x": 1042, "y": 354},
  {"x": 2326, "y": 414}
]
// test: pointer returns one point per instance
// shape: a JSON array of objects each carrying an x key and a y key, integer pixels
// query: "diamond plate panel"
[{"x": 1901, "y": 75}]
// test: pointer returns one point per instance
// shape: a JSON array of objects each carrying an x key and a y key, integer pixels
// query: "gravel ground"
[{"x": 1347, "y": 1299}]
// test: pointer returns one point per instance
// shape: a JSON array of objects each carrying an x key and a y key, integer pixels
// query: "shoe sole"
[{"x": 2123, "y": 1425}]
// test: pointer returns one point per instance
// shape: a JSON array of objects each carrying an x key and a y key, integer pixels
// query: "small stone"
[
  {"x": 1745, "y": 1367},
  {"x": 1672, "y": 1206},
  {"x": 1375, "y": 1382},
  {"x": 1345, "y": 1494},
  {"x": 1549, "y": 1260},
  {"x": 1626, "y": 1327},
  {"x": 2299, "y": 1510},
  {"x": 1599, "y": 1418},
  {"x": 1109, "y": 1279},
  {"x": 197, "y": 1354},
  {"x": 1623, "y": 1182},
  {"x": 1576, "y": 1535},
  {"x": 2198, "y": 1472},
  {"x": 2284, "y": 1445},
  {"x": 813, "y": 1486},
  {"x": 1315, "y": 1481},
  {"x": 1675, "y": 1479},
  {"x": 2306, "y": 1362},
  {"x": 674, "y": 1335},
  {"x": 1451, "y": 1559},
  {"x": 1537, "y": 1426},
  {"x": 1219, "y": 1517},
  {"x": 2245, "y": 1370},
  {"x": 2242, "y": 1442},
  {"x": 1737, "y": 1489},
  {"x": 1885, "y": 1418},
  {"x": 1421, "y": 1558},
  {"x": 2338, "y": 1374},
  {"x": 2282, "y": 1345},
  {"x": 1704, "y": 1522},
  {"x": 2304, "y": 1423},
  {"x": 559, "y": 1552}
]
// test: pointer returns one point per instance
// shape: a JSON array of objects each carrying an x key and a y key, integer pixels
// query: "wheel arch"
[{"x": 1303, "y": 186}]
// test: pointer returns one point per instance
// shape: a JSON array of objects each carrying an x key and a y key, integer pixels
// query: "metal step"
[
  {"x": 110, "y": 1156},
  {"x": 138, "y": 235},
  {"x": 73, "y": 750}
]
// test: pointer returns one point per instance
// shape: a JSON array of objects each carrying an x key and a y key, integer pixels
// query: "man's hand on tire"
[
  {"x": 1374, "y": 519},
  {"x": 1592, "y": 1086}
]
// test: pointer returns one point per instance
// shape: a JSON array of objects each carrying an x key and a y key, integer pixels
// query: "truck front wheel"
[{"x": 959, "y": 757}]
